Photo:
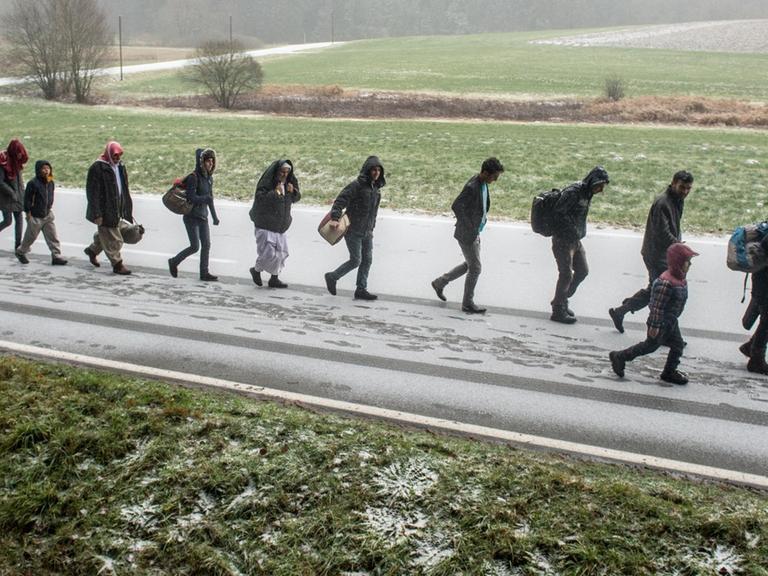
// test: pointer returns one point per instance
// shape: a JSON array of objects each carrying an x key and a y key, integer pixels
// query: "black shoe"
[
  {"x": 438, "y": 290},
  {"x": 746, "y": 348},
  {"x": 757, "y": 365},
  {"x": 207, "y": 277},
  {"x": 472, "y": 309},
  {"x": 92, "y": 257},
  {"x": 363, "y": 294},
  {"x": 330, "y": 283},
  {"x": 22, "y": 258},
  {"x": 256, "y": 275},
  {"x": 173, "y": 268},
  {"x": 58, "y": 261},
  {"x": 119, "y": 268},
  {"x": 674, "y": 377},
  {"x": 275, "y": 282},
  {"x": 617, "y": 363},
  {"x": 618, "y": 319},
  {"x": 559, "y": 314}
]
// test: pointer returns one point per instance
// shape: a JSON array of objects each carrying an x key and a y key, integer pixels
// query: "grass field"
[
  {"x": 426, "y": 163},
  {"x": 501, "y": 64},
  {"x": 110, "y": 475}
]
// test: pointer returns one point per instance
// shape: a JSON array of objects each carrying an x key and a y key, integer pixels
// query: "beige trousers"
[
  {"x": 110, "y": 240},
  {"x": 48, "y": 228}
]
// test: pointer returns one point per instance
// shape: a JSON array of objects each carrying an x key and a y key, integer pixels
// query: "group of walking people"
[{"x": 110, "y": 208}]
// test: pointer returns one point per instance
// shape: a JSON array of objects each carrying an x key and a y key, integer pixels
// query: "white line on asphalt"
[{"x": 396, "y": 416}]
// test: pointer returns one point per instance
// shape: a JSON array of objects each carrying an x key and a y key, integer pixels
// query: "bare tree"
[
  {"x": 35, "y": 47},
  {"x": 85, "y": 35},
  {"x": 225, "y": 71}
]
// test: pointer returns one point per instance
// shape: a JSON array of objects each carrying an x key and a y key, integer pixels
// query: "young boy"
[
  {"x": 38, "y": 204},
  {"x": 668, "y": 296}
]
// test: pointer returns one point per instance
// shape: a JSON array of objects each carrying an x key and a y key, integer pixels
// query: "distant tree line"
[{"x": 191, "y": 22}]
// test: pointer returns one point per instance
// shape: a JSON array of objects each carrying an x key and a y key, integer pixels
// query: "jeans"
[
  {"x": 360, "y": 254},
  {"x": 471, "y": 267},
  {"x": 18, "y": 229},
  {"x": 572, "y": 268},
  {"x": 199, "y": 237}
]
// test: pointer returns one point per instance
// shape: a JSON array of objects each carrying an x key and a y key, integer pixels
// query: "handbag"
[
  {"x": 175, "y": 199},
  {"x": 333, "y": 235},
  {"x": 132, "y": 233}
]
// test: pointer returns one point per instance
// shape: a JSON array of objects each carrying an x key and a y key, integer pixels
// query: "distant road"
[{"x": 176, "y": 64}]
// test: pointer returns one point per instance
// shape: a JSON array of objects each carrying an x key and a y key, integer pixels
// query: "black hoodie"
[
  {"x": 361, "y": 198},
  {"x": 38, "y": 195},
  {"x": 199, "y": 188},
  {"x": 570, "y": 221},
  {"x": 272, "y": 211}
]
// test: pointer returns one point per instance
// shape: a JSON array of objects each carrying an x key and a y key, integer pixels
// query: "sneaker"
[
  {"x": 618, "y": 319},
  {"x": 617, "y": 363},
  {"x": 674, "y": 377},
  {"x": 22, "y": 258},
  {"x": 438, "y": 290},
  {"x": 119, "y": 268},
  {"x": 471, "y": 308},
  {"x": 256, "y": 275},
  {"x": 330, "y": 283},
  {"x": 275, "y": 282},
  {"x": 559, "y": 314},
  {"x": 363, "y": 294},
  {"x": 207, "y": 277},
  {"x": 173, "y": 268},
  {"x": 58, "y": 261},
  {"x": 92, "y": 257}
]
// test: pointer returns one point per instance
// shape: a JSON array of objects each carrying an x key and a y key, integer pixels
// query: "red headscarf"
[
  {"x": 13, "y": 158},
  {"x": 112, "y": 148}
]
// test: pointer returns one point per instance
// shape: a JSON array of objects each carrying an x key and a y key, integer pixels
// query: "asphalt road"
[{"x": 511, "y": 369}]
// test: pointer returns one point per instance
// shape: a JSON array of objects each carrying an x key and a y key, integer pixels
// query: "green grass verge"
[
  {"x": 499, "y": 64},
  {"x": 427, "y": 163},
  {"x": 108, "y": 474}
]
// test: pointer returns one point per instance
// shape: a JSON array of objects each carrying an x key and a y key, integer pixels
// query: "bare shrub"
[
  {"x": 225, "y": 71},
  {"x": 614, "y": 87}
]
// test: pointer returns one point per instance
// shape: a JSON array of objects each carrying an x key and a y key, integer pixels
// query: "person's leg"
[
  {"x": 366, "y": 259},
  {"x": 580, "y": 268},
  {"x": 758, "y": 342},
  {"x": 193, "y": 234},
  {"x": 18, "y": 229},
  {"x": 474, "y": 267},
  {"x": 619, "y": 358},
  {"x": 111, "y": 241},
  {"x": 7, "y": 219},
  {"x": 563, "y": 253},
  {"x": 34, "y": 225},
  {"x": 204, "y": 233},
  {"x": 52, "y": 237},
  {"x": 355, "y": 247},
  {"x": 674, "y": 340}
]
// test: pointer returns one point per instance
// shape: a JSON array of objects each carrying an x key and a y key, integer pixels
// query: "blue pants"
[
  {"x": 199, "y": 236},
  {"x": 360, "y": 255}
]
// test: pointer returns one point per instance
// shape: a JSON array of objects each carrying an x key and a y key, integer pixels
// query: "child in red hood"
[{"x": 668, "y": 296}]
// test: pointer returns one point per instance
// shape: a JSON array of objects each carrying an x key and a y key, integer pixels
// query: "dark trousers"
[
  {"x": 760, "y": 337},
  {"x": 572, "y": 268},
  {"x": 18, "y": 229},
  {"x": 669, "y": 335},
  {"x": 642, "y": 297},
  {"x": 471, "y": 267},
  {"x": 360, "y": 257},
  {"x": 199, "y": 237}
]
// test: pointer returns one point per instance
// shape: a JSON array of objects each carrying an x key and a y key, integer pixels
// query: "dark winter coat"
[
  {"x": 38, "y": 195},
  {"x": 468, "y": 208},
  {"x": 669, "y": 291},
  {"x": 104, "y": 199},
  {"x": 361, "y": 198},
  {"x": 272, "y": 211},
  {"x": 199, "y": 190},
  {"x": 570, "y": 213},
  {"x": 662, "y": 229},
  {"x": 11, "y": 192}
]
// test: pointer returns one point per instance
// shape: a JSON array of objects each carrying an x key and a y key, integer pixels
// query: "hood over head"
[
  {"x": 13, "y": 158},
  {"x": 268, "y": 179},
  {"x": 677, "y": 255},
  {"x": 598, "y": 175},
  {"x": 111, "y": 148},
  {"x": 39, "y": 166},
  {"x": 365, "y": 171},
  {"x": 201, "y": 155}
]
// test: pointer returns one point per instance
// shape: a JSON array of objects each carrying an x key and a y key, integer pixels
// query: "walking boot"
[
  {"x": 119, "y": 268},
  {"x": 92, "y": 257},
  {"x": 58, "y": 261},
  {"x": 617, "y": 315},
  {"x": 560, "y": 314},
  {"x": 22, "y": 258},
  {"x": 363, "y": 294},
  {"x": 617, "y": 363},
  {"x": 757, "y": 364},
  {"x": 568, "y": 310},
  {"x": 438, "y": 290},
  {"x": 256, "y": 275},
  {"x": 208, "y": 277},
  {"x": 746, "y": 348},
  {"x": 330, "y": 283},
  {"x": 275, "y": 282},
  {"x": 173, "y": 268},
  {"x": 674, "y": 377},
  {"x": 472, "y": 308}
]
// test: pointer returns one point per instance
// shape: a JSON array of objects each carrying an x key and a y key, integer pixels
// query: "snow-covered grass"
[{"x": 244, "y": 487}]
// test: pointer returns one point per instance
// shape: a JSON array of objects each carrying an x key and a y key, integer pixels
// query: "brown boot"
[{"x": 119, "y": 268}]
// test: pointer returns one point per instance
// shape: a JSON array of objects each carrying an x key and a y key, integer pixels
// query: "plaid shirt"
[{"x": 667, "y": 302}]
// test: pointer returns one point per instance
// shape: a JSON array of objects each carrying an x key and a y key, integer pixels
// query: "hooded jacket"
[
  {"x": 662, "y": 229},
  {"x": 361, "y": 198},
  {"x": 468, "y": 208},
  {"x": 105, "y": 200},
  {"x": 570, "y": 213},
  {"x": 38, "y": 195},
  {"x": 272, "y": 211},
  {"x": 670, "y": 290},
  {"x": 12, "y": 162},
  {"x": 199, "y": 187}
]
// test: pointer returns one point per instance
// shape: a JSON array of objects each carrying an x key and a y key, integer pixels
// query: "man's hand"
[
  {"x": 652, "y": 332},
  {"x": 334, "y": 224},
  {"x": 215, "y": 221},
  {"x": 289, "y": 188}
]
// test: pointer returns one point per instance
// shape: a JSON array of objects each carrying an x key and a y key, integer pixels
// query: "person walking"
[
  {"x": 276, "y": 192},
  {"x": 38, "y": 207},
  {"x": 199, "y": 191},
  {"x": 109, "y": 207},
  {"x": 668, "y": 296},
  {"x": 662, "y": 229},
  {"x": 12, "y": 161},
  {"x": 754, "y": 348},
  {"x": 570, "y": 226},
  {"x": 471, "y": 209},
  {"x": 361, "y": 198}
]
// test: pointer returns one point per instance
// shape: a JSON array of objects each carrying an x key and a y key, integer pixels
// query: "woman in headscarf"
[
  {"x": 12, "y": 161},
  {"x": 276, "y": 191}
]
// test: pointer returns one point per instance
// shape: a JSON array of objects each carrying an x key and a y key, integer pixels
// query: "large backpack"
[
  {"x": 543, "y": 212},
  {"x": 175, "y": 199},
  {"x": 745, "y": 251}
]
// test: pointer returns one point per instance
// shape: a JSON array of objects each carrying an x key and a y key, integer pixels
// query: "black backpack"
[{"x": 543, "y": 212}]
